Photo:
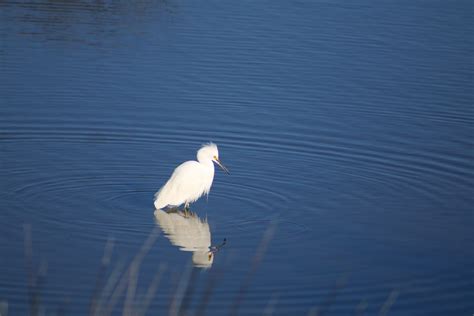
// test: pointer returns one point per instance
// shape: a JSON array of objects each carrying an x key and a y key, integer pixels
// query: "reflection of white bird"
[
  {"x": 189, "y": 234},
  {"x": 190, "y": 180}
]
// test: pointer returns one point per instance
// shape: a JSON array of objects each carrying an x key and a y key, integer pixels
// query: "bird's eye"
[
  {"x": 215, "y": 157},
  {"x": 209, "y": 256}
]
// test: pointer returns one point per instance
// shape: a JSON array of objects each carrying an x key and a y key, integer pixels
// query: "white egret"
[{"x": 190, "y": 180}]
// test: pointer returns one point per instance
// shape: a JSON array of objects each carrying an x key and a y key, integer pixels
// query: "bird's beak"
[{"x": 219, "y": 163}]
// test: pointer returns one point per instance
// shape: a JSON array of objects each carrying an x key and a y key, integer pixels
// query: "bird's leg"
[{"x": 186, "y": 210}]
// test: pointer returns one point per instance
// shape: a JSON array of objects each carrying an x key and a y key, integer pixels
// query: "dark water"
[{"x": 347, "y": 125}]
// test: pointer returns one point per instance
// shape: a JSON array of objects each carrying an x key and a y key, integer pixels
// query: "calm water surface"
[{"x": 347, "y": 125}]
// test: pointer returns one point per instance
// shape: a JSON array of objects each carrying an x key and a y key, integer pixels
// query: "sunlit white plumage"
[{"x": 190, "y": 180}]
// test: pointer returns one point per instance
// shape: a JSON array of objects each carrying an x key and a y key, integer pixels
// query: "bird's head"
[
  {"x": 202, "y": 259},
  {"x": 210, "y": 152}
]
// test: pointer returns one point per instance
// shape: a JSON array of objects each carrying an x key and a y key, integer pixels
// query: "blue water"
[{"x": 347, "y": 127}]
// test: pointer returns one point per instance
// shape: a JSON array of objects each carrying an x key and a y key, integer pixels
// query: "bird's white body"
[{"x": 190, "y": 180}]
